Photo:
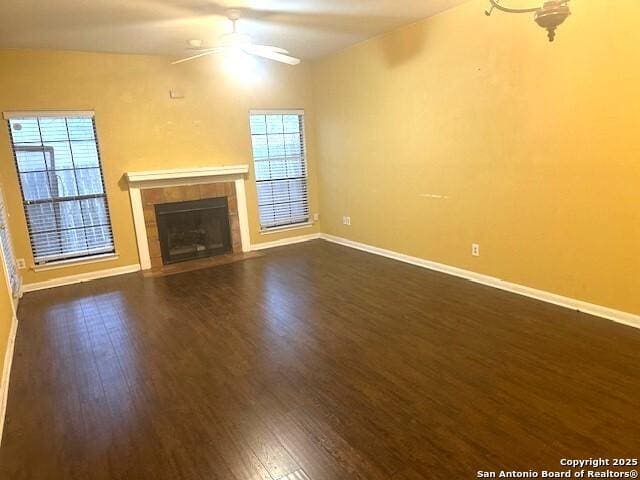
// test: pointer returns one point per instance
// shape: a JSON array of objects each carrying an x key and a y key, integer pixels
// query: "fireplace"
[
  {"x": 165, "y": 212},
  {"x": 193, "y": 229}
]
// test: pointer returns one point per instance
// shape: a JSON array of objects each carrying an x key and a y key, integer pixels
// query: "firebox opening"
[{"x": 193, "y": 229}]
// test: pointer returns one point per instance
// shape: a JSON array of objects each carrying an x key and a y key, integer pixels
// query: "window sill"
[
  {"x": 75, "y": 262},
  {"x": 285, "y": 228}
]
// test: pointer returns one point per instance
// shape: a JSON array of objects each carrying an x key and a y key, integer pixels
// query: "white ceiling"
[{"x": 308, "y": 28}]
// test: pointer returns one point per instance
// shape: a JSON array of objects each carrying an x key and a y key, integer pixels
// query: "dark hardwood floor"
[{"x": 312, "y": 362}]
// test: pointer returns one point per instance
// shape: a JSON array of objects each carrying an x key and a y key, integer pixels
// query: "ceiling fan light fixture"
[
  {"x": 239, "y": 65},
  {"x": 234, "y": 39}
]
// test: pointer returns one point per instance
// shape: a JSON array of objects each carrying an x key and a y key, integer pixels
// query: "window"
[
  {"x": 7, "y": 249},
  {"x": 62, "y": 186},
  {"x": 280, "y": 168}
]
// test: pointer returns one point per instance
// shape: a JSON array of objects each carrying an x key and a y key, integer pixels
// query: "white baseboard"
[
  {"x": 6, "y": 373},
  {"x": 619, "y": 316},
  {"x": 625, "y": 318},
  {"x": 83, "y": 277},
  {"x": 285, "y": 241}
]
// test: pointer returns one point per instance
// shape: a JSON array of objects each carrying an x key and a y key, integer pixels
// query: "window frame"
[
  {"x": 290, "y": 226},
  {"x": 6, "y": 245},
  {"x": 45, "y": 262}
]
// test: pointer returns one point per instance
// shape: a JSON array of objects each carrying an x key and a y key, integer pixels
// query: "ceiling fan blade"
[
  {"x": 278, "y": 57},
  {"x": 210, "y": 51},
  {"x": 269, "y": 48}
]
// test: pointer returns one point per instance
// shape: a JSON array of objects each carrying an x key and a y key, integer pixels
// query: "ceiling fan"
[{"x": 238, "y": 43}]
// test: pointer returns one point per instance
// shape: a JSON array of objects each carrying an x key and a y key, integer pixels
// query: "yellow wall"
[
  {"x": 141, "y": 128},
  {"x": 535, "y": 145}
]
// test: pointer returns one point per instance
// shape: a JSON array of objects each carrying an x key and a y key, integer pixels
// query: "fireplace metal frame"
[{"x": 164, "y": 210}]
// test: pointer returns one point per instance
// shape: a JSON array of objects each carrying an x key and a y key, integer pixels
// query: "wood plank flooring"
[{"x": 313, "y": 362}]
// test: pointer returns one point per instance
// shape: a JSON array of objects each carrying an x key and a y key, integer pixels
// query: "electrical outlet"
[
  {"x": 475, "y": 249},
  {"x": 346, "y": 220},
  {"x": 316, "y": 217},
  {"x": 21, "y": 264}
]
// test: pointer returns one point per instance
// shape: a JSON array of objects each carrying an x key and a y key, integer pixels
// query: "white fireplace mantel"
[
  {"x": 185, "y": 176},
  {"x": 188, "y": 173}
]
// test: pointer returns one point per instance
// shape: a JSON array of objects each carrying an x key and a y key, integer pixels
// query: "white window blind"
[
  {"x": 58, "y": 164},
  {"x": 7, "y": 249},
  {"x": 280, "y": 168}
]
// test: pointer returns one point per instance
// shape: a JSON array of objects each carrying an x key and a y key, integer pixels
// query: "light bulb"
[{"x": 239, "y": 64}]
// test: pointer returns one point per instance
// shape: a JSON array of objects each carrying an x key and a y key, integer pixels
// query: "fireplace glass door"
[{"x": 194, "y": 229}]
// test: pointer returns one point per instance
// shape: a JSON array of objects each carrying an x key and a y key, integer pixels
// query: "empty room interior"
[{"x": 319, "y": 239}]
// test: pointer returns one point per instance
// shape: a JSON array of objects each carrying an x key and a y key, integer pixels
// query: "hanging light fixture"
[{"x": 549, "y": 16}]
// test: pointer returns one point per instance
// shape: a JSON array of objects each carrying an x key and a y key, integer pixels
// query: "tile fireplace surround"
[
  {"x": 184, "y": 193},
  {"x": 148, "y": 189}
]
